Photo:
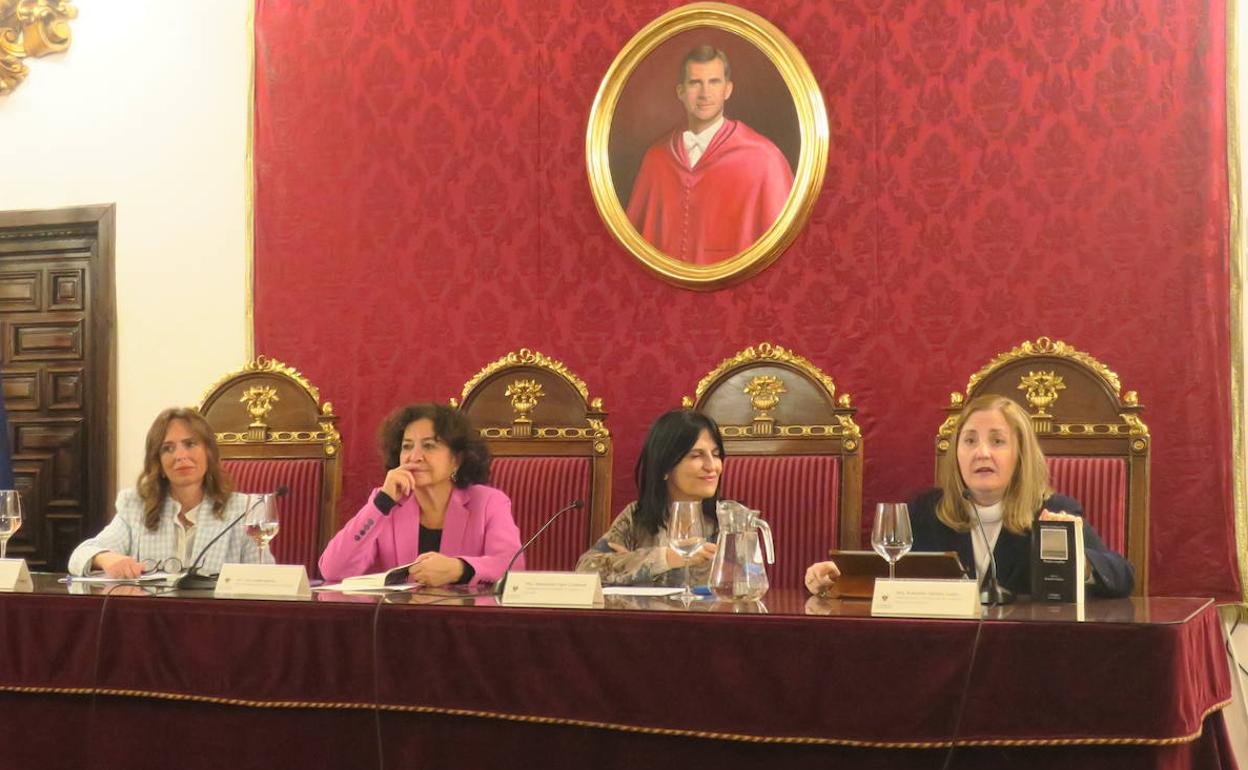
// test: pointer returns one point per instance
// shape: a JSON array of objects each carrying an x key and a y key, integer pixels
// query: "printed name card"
[
  {"x": 926, "y": 598},
  {"x": 263, "y": 581},
  {"x": 552, "y": 589},
  {"x": 14, "y": 576}
]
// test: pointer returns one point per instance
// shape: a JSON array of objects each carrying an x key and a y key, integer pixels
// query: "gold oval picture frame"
[{"x": 638, "y": 117}]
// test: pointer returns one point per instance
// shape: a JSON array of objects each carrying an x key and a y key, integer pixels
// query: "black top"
[{"x": 1113, "y": 576}]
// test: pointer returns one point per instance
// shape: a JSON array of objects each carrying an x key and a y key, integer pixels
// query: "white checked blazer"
[{"x": 125, "y": 534}]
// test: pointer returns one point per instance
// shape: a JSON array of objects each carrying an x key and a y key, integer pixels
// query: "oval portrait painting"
[{"x": 707, "y": 145}]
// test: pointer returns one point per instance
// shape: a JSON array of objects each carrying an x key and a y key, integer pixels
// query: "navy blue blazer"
[{"x": 1113, "y": 576}]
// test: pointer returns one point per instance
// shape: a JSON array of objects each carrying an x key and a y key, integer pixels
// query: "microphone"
[
  {"x": 502, "y": 582},
  {"x": 994, "y": 593},
  {"x": 193, "y": 579}
]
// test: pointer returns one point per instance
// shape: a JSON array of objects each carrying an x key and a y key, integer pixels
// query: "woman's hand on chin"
[{"x": 399, "y": 482}]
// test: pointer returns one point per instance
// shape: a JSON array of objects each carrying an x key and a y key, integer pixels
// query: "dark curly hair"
[{"x": 450, "y": 427}]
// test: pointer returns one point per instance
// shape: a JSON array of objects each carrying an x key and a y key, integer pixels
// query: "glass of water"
[
  {"x": 261, "y": 523},
  {"x": 10, "y": 518},
  {"x": 685, "y": 536},
  {"x": 891, "y": 536}
]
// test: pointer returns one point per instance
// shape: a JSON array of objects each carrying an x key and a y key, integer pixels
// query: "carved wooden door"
[{"x": 57, "y": 319}]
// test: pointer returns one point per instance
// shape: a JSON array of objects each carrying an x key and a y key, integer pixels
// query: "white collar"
[
  {"x": 991, "y": 514},
  {"x": 702, "y": 138}
]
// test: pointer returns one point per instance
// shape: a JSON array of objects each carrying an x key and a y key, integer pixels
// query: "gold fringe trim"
[{"x": 666, "y": 731}]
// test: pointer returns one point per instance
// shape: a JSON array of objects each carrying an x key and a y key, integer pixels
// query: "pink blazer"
[{"x": 478, "y": 528}]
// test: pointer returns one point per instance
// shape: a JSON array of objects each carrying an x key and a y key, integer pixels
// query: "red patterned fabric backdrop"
[{"x": 1000, "y": 170}]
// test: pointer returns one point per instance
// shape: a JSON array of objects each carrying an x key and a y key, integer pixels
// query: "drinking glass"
[
  {"x": 261, "y": 523},
  {"x": 10, "y": 517},
  {"x": 891, "y": 536},
  {"x": 685, "y": 536}
]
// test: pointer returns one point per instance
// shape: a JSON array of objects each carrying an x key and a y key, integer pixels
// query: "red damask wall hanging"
[{"x": 998, "y": 170}]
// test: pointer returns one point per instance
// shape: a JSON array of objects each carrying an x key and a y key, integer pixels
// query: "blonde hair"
[
  {"x": 153, "y": 487},
  {"x": 1028, "y": 488}
]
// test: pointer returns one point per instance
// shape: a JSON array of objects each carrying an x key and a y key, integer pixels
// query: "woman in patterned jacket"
[{"x": 682, "y": 460}]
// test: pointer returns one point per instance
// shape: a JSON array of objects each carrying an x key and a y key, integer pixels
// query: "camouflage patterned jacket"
[{"x": 644, "y": 562}]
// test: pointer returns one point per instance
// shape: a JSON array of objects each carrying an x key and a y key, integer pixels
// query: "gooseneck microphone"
[
  {"x": 193, "y": 579},
  {"x": 502, "y": 582},
  {"x": 993, "y": 593}
]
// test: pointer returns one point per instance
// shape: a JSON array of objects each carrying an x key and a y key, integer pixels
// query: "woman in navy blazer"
[
  {"x": 433, "y": 508},
  {"x": 998, "y": 467}
]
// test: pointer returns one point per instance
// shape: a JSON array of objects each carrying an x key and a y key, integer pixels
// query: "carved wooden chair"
[
  {"x": 1091, "y": 433},
  {"x": 793, "y": 450},
  {"x": 274, "y": 431},
  {"x": 550, "y": 446}
]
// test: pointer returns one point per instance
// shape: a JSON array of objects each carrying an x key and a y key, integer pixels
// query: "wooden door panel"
[{"x": 56, "y": 339}]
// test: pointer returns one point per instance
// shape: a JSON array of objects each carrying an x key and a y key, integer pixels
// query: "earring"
[{"x": 454, "y": 474}]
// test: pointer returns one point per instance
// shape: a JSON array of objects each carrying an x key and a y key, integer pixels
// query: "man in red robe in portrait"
[{"x": 708, "y": 192}]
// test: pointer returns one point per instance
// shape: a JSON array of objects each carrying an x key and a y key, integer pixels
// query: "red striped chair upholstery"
[
  {"x": 1100, "y": 484},
  {"x": 550, "y": 446},
  {"x": 799, "y": 498},
  {"x": 539, "y": 486},
  {"x": 297, "y": 541},
  {"x": 793, "y": 452},
  {"x": 273, "y": 430},
  {"x": 1089, "y": 429}
]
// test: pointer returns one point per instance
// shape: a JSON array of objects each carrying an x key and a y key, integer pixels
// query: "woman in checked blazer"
[{"x": 182, "y": 501}]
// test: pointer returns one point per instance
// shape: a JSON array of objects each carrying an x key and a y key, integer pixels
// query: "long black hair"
[{"x": 669, "y": 440}]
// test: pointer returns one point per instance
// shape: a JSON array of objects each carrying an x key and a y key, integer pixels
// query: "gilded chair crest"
[
  {"x": 549, "y": 441},
  {"x": 748, "y": 390}
]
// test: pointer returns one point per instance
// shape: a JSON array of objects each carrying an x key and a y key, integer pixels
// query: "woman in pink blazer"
[{"x": 433, "y": 507}]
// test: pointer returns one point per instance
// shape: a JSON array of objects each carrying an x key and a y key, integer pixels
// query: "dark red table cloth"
[{"x": 1139, "y": 684}]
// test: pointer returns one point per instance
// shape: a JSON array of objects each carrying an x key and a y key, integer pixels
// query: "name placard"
[
  {"x": 14, "y": 576},
  {"x": 553, "y": 589},
  {"x": 926, "y": 598},
  {"x": 263, "y": 581}
]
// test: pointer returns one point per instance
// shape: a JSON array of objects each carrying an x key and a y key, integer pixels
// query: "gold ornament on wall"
[{"x": 30, "y": 28}]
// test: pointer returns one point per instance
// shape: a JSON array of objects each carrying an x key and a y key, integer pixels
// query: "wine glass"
[
  {"x": 685, "y": 537},
  {"x": 891, "y": 536},
  {"x": 261, "y": 523},
  {"x": 10, "y": 517}
]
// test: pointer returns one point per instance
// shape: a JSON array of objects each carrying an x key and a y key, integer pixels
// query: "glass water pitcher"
[{"x": 738, "y": 572}]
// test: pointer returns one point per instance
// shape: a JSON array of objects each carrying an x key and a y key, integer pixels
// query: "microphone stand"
[
  {"x": 502, "y": 582},
  {"x": 993, "y": 593},
  {"x": 193, "y": 580}
]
